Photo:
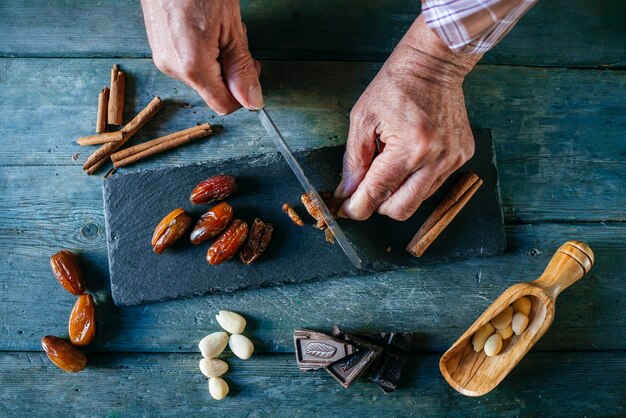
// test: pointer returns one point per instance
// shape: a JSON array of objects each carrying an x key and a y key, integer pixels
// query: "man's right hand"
[{"x": 204, "y": 44}]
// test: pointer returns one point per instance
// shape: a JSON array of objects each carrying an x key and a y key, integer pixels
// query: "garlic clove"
[
  {"x": 213, "y": 344},
  {"x": 212, "y": 367},
  {"x": 241, "y": 346},
  {"x": 218, "y": 388},
  {"x": 231, "y": 321}
]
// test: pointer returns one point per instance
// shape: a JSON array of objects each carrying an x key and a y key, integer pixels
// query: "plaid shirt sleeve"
[{"x": 473, "y": 26}]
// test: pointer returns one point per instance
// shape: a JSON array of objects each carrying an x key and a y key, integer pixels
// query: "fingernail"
[
  {"x": 255, "y": 97},
  {"x": 341, "y": 212},
  {"x": 340, "y": 191}
]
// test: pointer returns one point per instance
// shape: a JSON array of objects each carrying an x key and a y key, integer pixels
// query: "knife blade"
[{"x": 284, "y": 149}]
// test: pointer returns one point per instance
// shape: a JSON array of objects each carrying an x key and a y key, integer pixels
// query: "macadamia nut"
[
  {"x": 503, "y": 319},
  {"x": 520, "y": 322},
  {"x": 493, "y": 345},
  {"x": 522, "y": 305},
  {"x": 506, "y": 332},
  {"x": 479, "y": 338}
]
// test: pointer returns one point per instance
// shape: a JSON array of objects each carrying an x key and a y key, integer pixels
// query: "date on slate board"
[{"x": 135, "y": 203}]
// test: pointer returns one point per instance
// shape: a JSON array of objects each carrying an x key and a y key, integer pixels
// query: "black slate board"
[{"x": 135, "y": 203}]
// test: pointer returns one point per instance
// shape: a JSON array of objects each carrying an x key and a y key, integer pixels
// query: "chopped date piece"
[
  {"x": 329, "y": 235},
  {"x": 295, "y": 218},
  {"x": 313, "y": 210},
  {"x": 170, "y": 229},
  {"x": 214, "y": 221},
  {"x": 228, "y": 243},
  {"x": 257, "y": 242},
  {"x": 332, "y": 203},
  {"x": 214, "y": 188}
]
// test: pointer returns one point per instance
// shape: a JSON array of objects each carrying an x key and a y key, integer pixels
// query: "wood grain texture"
[
  {"x": 558, "y": 133},
  {"x": 563, "y": 32},
  {"x": 474, "y": 373},
  {"x": 437, "y": 302},
  {"x": 586, "y": 384}
]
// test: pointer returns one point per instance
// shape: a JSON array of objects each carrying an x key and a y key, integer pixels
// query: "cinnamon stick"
[
  {"x": 103, "y": 103},
  {"x": 115, "y": 111},
  {"x": 102, "y": 154},
  {"x": 156, "y": 146},
  {"x": 100, "y": 138},
  {"x": 444, "y": 213}
]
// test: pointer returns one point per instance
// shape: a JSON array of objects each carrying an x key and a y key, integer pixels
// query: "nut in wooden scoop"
[{"x": 473, "y": 371}]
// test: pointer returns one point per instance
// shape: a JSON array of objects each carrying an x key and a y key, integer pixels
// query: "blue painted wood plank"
[
  {"x": 558, "y": 133},
  {"x": 438, "y": 302},
  {"x": 588, "y": 384},
  {"x": 557, "y": 32}
]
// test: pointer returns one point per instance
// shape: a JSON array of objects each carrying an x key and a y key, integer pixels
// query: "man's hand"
[
  {"x": 204, "y": 44},
  {"x": 415, "y": 106}
]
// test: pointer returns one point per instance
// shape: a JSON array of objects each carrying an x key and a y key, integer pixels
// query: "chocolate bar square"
[
  {"x": 387, "y": 368},
  {"x": 315, "y": 350},
  {"x": 350, "y": 368}
]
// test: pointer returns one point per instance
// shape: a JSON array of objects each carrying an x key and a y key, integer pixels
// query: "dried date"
[
  {"x": 227, "y": 245},
  {"x": 68, "y": 272},
  {"x": 258, "y": 239},
  {"x": 214, "y": 221},
  {"x": 214, "y": 188},
  {"x": 82, "y": 324},
  {"x": 63, "y": 354},
  {"x": 170, "y": 229}
]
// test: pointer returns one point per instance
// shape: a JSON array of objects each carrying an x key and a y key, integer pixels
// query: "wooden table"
[{"x": 553, "y": 92}]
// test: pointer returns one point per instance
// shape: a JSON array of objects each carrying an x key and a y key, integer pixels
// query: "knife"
[{"x": 284, "y": 149}]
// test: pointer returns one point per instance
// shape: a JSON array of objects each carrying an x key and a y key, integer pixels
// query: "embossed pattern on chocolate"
[{"x": 315, "y": 350}]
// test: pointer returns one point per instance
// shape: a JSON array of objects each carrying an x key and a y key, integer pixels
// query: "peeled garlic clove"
[
  {"x": 506, "y": 332},
  {"x": 520, "y": 322},
  {"x": 241, "y": 346},
  {"x": 231, "y": 321},
  {"x": 212, "y": 367},
  {"x": 479, "y": 338},
  {"x": 522, "y": 305},
  {"x": 503, "y": 319},
  {"x": 218, "y": 388},
  {"x": 493, "y": 345},
  {"x": 213, "y": 344}
]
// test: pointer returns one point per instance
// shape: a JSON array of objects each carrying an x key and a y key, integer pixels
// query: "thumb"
[
  {"x": 360, "y": 149},
  {"x": 241, "y": 74}
]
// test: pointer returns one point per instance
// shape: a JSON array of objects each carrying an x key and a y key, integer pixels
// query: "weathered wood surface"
[
  {"x": 560, "y": 145},
  {"x": 559, "y": 134},
  {"x": 438, "y": 302},
  {"x": 563, "y": 32},
  {"x": 568, "y": 384}
]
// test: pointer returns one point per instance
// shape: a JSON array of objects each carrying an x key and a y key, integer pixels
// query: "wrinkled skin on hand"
[
  {"x": 204, "y": 44},
  {"x": 415, "y": 105}
]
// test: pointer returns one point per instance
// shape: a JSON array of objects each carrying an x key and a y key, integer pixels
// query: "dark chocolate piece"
[
  {"x": 315, "y": 350},
  {"x": 348, "y": 369},
  {"x": 387, "y": 368}
]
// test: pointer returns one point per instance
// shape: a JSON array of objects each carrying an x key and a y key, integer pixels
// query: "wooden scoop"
[{"x": 475, "y": 374}]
